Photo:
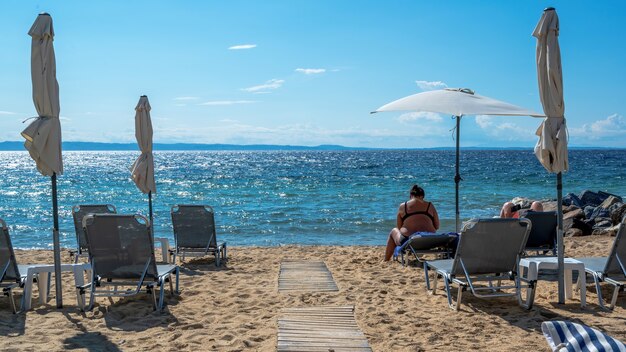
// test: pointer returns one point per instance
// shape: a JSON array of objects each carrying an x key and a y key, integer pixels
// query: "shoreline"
[{"x": 236, "y": 307}]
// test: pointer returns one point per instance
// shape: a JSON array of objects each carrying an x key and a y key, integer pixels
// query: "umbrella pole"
[
  {"x": 457, "y": 176},
  {"x": 559, "y": 238},
  {"x": 150, "y": 208},
  {"x": 56, "y": 244}
]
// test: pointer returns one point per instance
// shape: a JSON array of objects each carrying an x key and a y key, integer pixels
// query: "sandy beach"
[{"x": 235, "y": 308}]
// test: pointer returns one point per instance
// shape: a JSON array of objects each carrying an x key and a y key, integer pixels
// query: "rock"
[
  {"x": 568, "y": 223},
  {"x": 609, "y": 201},
  {"x": 568, "y": 208},
  {"x": 602, "y": 223},
  {"x": 607, "y": 195},
  {"x": 583, "y": 225},
  {"x": 523, "y": 202},
  {"x": 591, "y": 198},
  {"x": 572, "y": 199},
  {"x": 549, "y": 205},
  {"x": 588, "y": 211},
  {"x": 613, "y": 229},
  {"x": 617, "y": 213},
  {"x": 605, "y": 231},
  {"x": 574, "y": 232},
  {"x": 578, "y": 214},
  {"x": 599, "y": 213}
]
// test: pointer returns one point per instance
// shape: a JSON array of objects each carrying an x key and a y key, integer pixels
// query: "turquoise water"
[{"x": 269, "y": 198}]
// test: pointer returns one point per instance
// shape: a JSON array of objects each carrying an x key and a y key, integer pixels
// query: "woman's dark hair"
[{"x": 417, "y": 191}]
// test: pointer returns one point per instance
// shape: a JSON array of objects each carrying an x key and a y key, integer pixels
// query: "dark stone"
[
  {"x": 605, "y": 231},
  {"x": 573, "y": 232},
  {"x": 600, "y": 213},
  {"x": 578, "y": 214},
  {"x": 602, "y": 223},
  {"x": 567, "y": 224},
  {"x": 617, "y": 213},
  {"x": 524, "y": 203},
  {"x": 606, "y": 195},
  {"x": 572, "y": 199},
  {"x": 589, "y": 211},
  {"x": 568, "y": 208},
  {"x": 609, "y": 202},
  {"x": 583, "y": 225},
  {"x": 589, "y": 198}
]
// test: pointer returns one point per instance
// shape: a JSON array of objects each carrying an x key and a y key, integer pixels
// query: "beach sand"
[{"x": 235, "y": 308}]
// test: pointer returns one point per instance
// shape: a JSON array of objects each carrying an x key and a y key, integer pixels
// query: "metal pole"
[
  {"x": 457, "y": 176},
  {"x": 559, "y": 239},
  {"x": 56, "y": 244},
  {"x": 150, "y": 207}
]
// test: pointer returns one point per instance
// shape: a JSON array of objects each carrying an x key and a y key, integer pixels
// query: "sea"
[{"x": 273, "y": 198}]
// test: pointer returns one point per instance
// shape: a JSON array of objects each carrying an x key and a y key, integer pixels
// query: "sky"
[{"x": 310, "y": 72}]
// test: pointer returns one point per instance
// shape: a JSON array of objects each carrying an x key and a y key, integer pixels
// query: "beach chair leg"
[
  {"x": 451, "y": 303},
  {"x": 91, "y": 298},
  {"x": 528, "y": 302},
  {"x": 614, "y": 298},
  {"x": 9, "y": 293},
  {"x": 152, "y": 290},
  {"x": 161, "y": 296},
  {"x": 427, "y": 279},
  {"x": 169, "y": 278},
  {"x": 217, "y": 258},
  {"x": 177, "y": 274},
  {"x": 224, "y": 252},
  {"x": 596, "y": 280}
]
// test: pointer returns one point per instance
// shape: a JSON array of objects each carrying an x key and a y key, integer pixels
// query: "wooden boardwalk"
[
  {"x": 311, "y": 276},
  {"x": 320, "y": 329}
]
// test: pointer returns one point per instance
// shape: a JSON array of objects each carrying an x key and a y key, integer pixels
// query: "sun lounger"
[
  {"x": 422, "y": 243},
  {"x": 12, "y": 275},
  {"x": 121, "y": 252},
  {"x": 194, "y": 233},
  {"x": 611, "y": 269},
  {"x": 78, "y": 213},
  {"x": 542, "y": 237},
  {"x": 488, "y": 253},
  {"x": 565, "y": 336}
]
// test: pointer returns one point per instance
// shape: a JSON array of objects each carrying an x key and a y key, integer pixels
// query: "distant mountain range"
[{"x": 94, "y": 146}]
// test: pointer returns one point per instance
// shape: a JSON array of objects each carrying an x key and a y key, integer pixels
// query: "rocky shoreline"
[{"x": 589, "y": 213}]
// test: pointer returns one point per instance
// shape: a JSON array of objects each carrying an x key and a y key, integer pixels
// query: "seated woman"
[
  {"x": 414, "y": 215},
  {"x": 511, "y": 210}
]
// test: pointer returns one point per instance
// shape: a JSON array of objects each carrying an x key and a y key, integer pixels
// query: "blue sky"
[{"x": 309, "y": 72}]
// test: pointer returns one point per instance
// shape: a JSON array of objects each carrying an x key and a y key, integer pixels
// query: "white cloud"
[
  {"x": 502, "y": 129},
  {"x": 299, "y": 134},
  {"x": 611, "y": 127},
  {"x": 228, "y": 102},
  {"x": 242, "y": 47},
  {"x": 421, "y": 116},
  {"x": 311, "y": 71},
  {"x": 6, "y": 113},
  {"x": 186, "y": 98},
  {"x": 431, "y": 85},
  {"x": 263, "y": 88}
]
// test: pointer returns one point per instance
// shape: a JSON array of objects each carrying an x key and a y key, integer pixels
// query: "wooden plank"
[
  {"x": 323, "y": 328},
  {"x": 311, "y": 276}
]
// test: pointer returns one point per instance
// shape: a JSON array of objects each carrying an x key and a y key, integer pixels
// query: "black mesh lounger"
[
  {"x": 121, "y": 252},
  {"x": 12, "y": 275},
  {"x": 488, "y": 253},
  {"x": 78, "y": 213},
  {"x": 194, "y": 233},
  {"x": 542, "y": 237},
  {"x": 422, "y": 243},
  {"x": 611, "y": 269}
]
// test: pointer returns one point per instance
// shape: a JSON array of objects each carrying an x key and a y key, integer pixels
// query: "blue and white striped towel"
[{"x": 568, "y": 336}]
